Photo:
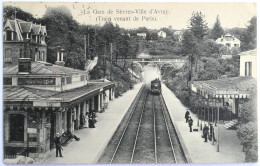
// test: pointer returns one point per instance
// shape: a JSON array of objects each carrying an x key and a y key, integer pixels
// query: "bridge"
[{"x": 159, "y": 62}]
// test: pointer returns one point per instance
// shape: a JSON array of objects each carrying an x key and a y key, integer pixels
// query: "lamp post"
[
  {"x": 218, "y": 132},
  {"x": 199, "y": 113},
  {"x": 131, "y": 85},
  {"x": 111, "y": 63}
]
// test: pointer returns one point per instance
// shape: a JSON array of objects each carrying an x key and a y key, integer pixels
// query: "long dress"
[{"x": 86, "y": 121}]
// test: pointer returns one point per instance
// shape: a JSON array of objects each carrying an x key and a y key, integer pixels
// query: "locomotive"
[{"x": 156, "y": 86}]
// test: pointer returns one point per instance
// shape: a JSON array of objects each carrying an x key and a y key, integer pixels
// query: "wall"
[
  {"x": 17, "y": 47},
  {"x": 248, "y": 58}
]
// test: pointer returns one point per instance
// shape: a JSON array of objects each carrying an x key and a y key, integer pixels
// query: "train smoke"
[{"x": 150, "y": 73}]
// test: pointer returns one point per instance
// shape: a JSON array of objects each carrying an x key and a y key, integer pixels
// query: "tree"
[
  {"x": 9, "y": 13},
  {"x": 217, "y": 31},
  {"x": 247, "y": 130},
  {"x": 63, "y": 31},
  {"x": 198, "y": 26},
  {"x": 250, "y": 35},
  {"x": 188, "y": 43}
]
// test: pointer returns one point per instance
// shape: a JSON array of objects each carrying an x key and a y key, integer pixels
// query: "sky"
[{"x": 158, "y": 14}]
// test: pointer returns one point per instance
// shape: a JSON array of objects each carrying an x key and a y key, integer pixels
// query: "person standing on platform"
[
  {"x": 187, "y": 114},
  {"x": 205, "y": 132},
  {"x": 86, "y": 120},
  {"x": 58, "y": 145},
  {"x": 190, "y": 122},
  {"x": 211, "y": 131}
]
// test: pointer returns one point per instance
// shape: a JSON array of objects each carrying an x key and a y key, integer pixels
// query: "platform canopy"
[{"x": 233, "y": 87}]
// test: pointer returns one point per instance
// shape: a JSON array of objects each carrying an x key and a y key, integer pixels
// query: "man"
[
  {"x": 205, "y": 132},
  {"x": 211, "y": 131},
  {"x": 187, "y": 114},
  {"x": 58, "y": 145},
  {"x": 190, "y": 121}
]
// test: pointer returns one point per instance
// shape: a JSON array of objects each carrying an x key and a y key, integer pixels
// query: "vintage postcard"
[{"x": 129, "y": 82}]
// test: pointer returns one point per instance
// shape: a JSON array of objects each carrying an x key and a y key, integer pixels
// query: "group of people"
[
  {"x": 208, "y": 132},
  {"x": 88, "y": 121}
]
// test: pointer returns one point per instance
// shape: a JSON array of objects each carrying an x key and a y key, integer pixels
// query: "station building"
[
  {"x": 41, "y": 99},
  {"x": 228, "y": 93}
]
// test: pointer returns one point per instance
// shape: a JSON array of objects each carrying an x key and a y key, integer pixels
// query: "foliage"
[
  {"x": 217, "y": 31},
  {"x": 250, "y": 36},
  {"x": 62, "y": 31},
  {"x": 247, "y": 130},
  {"x": 198, "y": 26},
  {"x": 9, "y": 12},
  {"x": 248, "y": 111},
  {"x": 189, "y": 43}
]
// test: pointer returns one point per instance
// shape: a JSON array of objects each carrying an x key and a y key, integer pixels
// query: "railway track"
[{"x": 145, "y": 135}]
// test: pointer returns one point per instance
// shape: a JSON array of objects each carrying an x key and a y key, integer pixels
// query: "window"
[
  {"x": 68, "y": 80},
  {"x": 228, "y": 44},
  {"x": 82, "y": 78},
  {"x": 21, "y": 53},
  {"x": 30, "y": 53},
  {"x": 7, "y": 81},
  {"x": 248, "y": 68},
  {"x": 8, "y": 35},
  {"x": 39, "y": 56},
  {"x": 43, "y": 58},
  {"x": 8, "y": 55},
  {"x": 16, "y": 127}
]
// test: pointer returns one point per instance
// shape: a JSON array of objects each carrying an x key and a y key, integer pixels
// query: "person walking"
[
  {"x": 205, "y": 132},
  {"x": 212, "y": 134},
  {"x": 190, "y": 122},
  {"x": 187, "y": 114},
  {"x": 58, "y": 145}
]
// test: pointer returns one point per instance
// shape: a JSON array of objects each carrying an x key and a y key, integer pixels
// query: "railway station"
[{"x": 85, "y": 93}]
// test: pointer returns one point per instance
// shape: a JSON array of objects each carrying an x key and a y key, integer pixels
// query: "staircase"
[{"x": 231, "y": 124}]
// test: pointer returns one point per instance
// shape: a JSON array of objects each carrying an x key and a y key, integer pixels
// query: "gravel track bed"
[{"x": 130, "y": 138}]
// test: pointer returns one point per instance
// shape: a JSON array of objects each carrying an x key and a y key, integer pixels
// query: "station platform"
[
  {"x": 93, "y": 141},
  {"x": 198, "y": 151}
]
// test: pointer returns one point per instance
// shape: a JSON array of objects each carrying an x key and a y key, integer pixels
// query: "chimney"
[
  {"x": 24, "y": 65},
  {"x": 60, "y": 53}
]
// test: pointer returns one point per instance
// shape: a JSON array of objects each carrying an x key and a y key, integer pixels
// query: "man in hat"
[
  {"x": 205, "y": 132},
  {"x": 211, "y": 131},
  {"x": 58, "y": 145},
  {"x": 187, "y": 114},
  {"x": 190, "y": 122}
]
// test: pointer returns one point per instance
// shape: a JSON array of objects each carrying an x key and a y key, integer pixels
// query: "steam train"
[{"x": 156, "y": 86}]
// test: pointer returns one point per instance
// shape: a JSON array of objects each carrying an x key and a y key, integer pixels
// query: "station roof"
[
  {"x": 44, "y": 68},
  {"x": 233, "y": 86},
  {"x": 21, "y": 93}
]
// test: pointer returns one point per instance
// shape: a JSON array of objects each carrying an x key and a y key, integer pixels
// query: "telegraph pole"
[
  {"x": 218, "y": 132},
  {"x": 111, "y": 63},
  {"x": 85, "y": 48}
]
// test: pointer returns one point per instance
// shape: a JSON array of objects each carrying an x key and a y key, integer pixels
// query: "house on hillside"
[
  {"x": 229, "y": 41},
  {"x": 18, "y": 34},
  {"x": 162, "y": 34},
  {"x": 178, "y": 35},
  {"x": 142, "y": 34}
]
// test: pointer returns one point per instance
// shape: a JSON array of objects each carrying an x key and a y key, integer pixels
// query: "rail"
[
  {"x": 111, "y": 161},
  {"x": 137, "y": 133},
  {"x": 164, "y": 117}
]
